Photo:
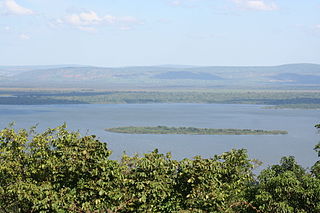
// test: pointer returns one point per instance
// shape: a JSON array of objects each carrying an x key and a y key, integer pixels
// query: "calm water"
[{"x": 94, "y": 118}]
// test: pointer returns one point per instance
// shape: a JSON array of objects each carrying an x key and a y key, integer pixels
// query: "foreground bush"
[
  {"x": 55, "y": 171},
  {"x": 60, "y": 171}
]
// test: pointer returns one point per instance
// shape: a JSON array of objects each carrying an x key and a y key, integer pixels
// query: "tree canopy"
[{"x": 59, "y": 170}]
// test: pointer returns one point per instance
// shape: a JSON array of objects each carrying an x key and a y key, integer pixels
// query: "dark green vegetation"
[
  {"x": 192, "y": 131},
  {"x": 275, "y": 98},
  {"x": 60, "y": 171}
]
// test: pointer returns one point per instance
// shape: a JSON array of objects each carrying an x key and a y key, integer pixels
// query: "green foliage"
[
  {"x": 215, "y": 185},
  {"x": 60, "y": 171},
  {"x": 56, "y": 171},
  {"x": 149, "y": 184},
  {"x": 287, "y": 187},
  {"x": 316, "y": 168}
]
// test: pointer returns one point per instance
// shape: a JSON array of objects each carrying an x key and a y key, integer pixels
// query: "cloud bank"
[
  {"x": 24, "y": 36},
  {"x": 11, "y": 7},
  {"x": 256, "y": 5},
  {"x": 90, "y": 20}
]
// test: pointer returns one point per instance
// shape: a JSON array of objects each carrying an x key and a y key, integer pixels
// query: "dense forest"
[{"x": 61, "y": 171}]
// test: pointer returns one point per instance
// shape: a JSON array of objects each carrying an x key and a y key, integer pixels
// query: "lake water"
[{"x": 93, "y": 119}]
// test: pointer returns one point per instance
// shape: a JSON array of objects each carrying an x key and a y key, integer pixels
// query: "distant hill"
[
  {"x": 297, "y": 78},
  {"x": 289, "y": 68},
  {"x": 187, "y": 75},
  {"x": 163, "y": 76},
  {"x": 177, "y": 66},
  {"x": 36, "y": 67}
]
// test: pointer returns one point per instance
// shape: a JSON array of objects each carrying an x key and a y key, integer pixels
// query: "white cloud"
[
  {"x": 125, "y": 28},
  {"x": 184, "y": 3},
  {"x": 24, "y": 36},
  {"x": 7, "y": 28},
  {"x": 83, "y": 19},
  {"x": 176, "y": 3},
  {"x": 316, "y": 29},
  {"x": 13, "y": 8},
  {"x": 256, "y": 5},
  {"x": 90, "y": 20},
  {"x": 88, "y": 29}
]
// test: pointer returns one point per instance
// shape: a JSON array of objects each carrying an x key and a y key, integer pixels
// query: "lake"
[{"x": 93, "y": 119}]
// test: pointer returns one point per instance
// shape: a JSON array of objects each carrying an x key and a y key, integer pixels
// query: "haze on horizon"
[{"x": 143, "y": 32}]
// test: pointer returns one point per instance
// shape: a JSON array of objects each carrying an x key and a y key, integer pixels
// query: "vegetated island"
[{"x": 192, "y": 131}]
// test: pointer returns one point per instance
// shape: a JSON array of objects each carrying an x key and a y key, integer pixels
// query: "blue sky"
[{"x": 153, "y": 32}]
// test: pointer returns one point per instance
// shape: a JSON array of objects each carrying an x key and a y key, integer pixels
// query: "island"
[{"x": 192, "y": 131}]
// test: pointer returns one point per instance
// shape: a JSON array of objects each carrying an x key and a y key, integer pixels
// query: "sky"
[{"x": 156, "y": 32}]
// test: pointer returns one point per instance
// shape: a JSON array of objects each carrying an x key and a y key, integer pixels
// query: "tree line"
[
  {"x": 279, "y": 99},
  {"x": 59, "y": 170}
]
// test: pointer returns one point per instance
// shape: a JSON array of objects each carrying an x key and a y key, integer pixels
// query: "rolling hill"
[{"x": 163, "y": 76}]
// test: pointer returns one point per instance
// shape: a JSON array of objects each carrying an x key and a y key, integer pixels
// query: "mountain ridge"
[{"x": 161, "y": 76}]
